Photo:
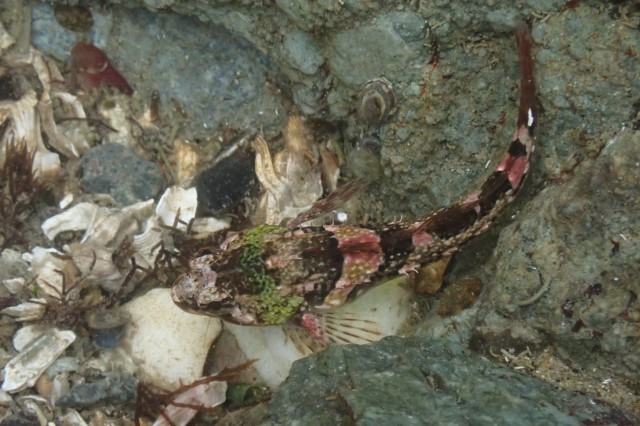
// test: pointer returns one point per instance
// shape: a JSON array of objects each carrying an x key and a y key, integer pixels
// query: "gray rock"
[
  {"x": 118, "y": 171},
  {"x": 419, "y": 381},
  {"x": 383, "y": 47},
  {"x": 117, "y": 389},
  {"x": 302, "y": 52},
  {"x": 578, "y": 235}
]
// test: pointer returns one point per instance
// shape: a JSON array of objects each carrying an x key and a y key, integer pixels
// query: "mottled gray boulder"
[
  {"x": 419, "y": 381},
  {"x": 580, "y": 235}
]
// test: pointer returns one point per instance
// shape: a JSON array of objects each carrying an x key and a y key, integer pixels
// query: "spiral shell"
[{"x": 377, "y": 99}]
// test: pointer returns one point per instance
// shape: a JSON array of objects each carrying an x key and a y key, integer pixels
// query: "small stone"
[
  {"x": 118, "y": 171},
  {"x": 107, "y": 326},
  {"x": 113, "y": 390}
]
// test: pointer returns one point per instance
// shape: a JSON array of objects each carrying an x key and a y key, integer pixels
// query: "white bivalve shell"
[
  {"x": 23, "y": 370},
  {"x": 168, "y": 345}
]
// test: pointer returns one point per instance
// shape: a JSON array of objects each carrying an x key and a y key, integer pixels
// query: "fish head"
[
  {"x": 234, "y": 285},
  {"x": 205, "y": 291}
]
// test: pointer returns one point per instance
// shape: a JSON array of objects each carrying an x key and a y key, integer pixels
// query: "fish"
[{"x": 300, "y": 276}]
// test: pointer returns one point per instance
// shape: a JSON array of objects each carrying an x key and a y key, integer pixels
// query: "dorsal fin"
[{"x": 330, "y": 202}]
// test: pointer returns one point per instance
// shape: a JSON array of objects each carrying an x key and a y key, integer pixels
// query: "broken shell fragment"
[
  {"x": 177, "y": 203},
  {"x": 26, "y": 311},
  {"x": 77, "y": 218},
  {"x": 23, "y": 370},
  {"x": 377, "y": 99},
  {"x": 28, "y": 334}
]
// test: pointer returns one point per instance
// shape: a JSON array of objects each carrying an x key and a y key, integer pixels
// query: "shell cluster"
[
  {"x": 295, "y": 177},
  {"x": 377, "y": 100},
  {"x": 67, "y": 288}
]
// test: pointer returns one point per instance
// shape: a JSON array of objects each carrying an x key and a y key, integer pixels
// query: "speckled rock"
[
  {"x": 384, "y": 47},
  {"x": 302, "y": 52},
  {"x": 118, "y": 171},
  {"x": 419, "y": 381},
  {"x": 579, "y": 236},
  {"x": 113, "y": 390}
]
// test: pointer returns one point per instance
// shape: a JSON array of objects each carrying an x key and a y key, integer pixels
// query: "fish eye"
[
  {"x": 223, "y": 305},
  {"x": 214, "y": 306}
]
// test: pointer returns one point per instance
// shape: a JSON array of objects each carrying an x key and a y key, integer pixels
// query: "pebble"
[
  {"x": 168, "y": 345},
  {"x": 118, "y": 171},
  {"x": 115, "y": 389}
]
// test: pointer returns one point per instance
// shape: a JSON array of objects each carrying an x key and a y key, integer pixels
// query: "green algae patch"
[{"x": 273, "y": 306}]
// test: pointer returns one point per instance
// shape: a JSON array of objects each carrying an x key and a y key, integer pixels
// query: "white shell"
[
  {"x": 146, "y": 244},
  {"x": 77, "y": 218},
  {"x": 204, "y": 225},
  {"x": 174, "y": 201},
  {"x": 28, "y": 334},
  {"x": 5, "y": 398},
  {"x": 26, "y": 311},
  {"x": 14, "y": 285},
  {"x": 32, "y": 115},
  {"x": 72, "y": 418},
  {"x": 23, "y": 370},
  {"x": 46, "y": 268},
  {"x": 207, "y": 395},
  {"x": 291, "y": 179},
  {"x": 168, "y": 344}
]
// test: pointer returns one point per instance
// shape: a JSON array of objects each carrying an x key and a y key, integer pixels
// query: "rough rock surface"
[
  {"x": 418, "y": 381},
  {"x": 578, "y": 235}
]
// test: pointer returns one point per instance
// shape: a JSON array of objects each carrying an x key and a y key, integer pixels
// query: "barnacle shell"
[
  {"x": 23, "y": 370},
  {"x": 376, "y": 101},
  {"x": 292, "y": 179}
]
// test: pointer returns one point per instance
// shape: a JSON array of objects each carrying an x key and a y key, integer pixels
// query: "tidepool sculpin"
[{"x": 296, "y": 275}]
